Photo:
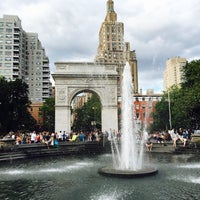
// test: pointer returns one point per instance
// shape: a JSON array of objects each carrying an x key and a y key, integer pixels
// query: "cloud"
[{"x": 157, "y": 30}]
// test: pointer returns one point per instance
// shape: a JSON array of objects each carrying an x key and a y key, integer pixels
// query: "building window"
[
  {"x": 8, "y": 30},
  {"x": 8, "y": 42},
  {"x": 8, "y": 24},
  {"x": 7, "y": 59},
  {"x": 8, "y": 47},
  {"x": 8, "y": 53},
  {"x": 8, "y": 64}
]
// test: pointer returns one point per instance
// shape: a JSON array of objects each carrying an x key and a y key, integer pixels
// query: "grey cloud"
[{"x": 157, "y": 30}]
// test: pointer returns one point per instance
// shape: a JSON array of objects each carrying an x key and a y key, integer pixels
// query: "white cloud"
[{"x": 157, "y": 30}]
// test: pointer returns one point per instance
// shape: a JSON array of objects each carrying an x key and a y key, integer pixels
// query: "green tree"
[
  {"x": 48, "y": 113},
  {"x": 177, "y": 105},
  {"x": 88, "y": 117},
  {"x": 191, "y": 92},
  {"x": 184, "y": 101},
  {"x": 14, "y": 105},
  {"x": 4, "y": 104},
  {"x": 161, "y": 116}
]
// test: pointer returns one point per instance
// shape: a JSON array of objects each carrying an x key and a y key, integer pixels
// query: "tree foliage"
[
  {"x": 191, "y": 91},
  {"x": 88, "y": 117},
  {"x": 48, "y": 113},
  {"x": 14, "y": 103},
  {"x": 161, "y": 116},
  {"x": 184, "y": 101}
]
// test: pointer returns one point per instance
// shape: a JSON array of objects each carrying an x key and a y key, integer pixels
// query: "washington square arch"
[
  {"x": 102, "y": 77},
  {"x": 74, "y": 78}
]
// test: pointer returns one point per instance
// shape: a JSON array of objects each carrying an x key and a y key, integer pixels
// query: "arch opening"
[{"x": 86, "y": 111}]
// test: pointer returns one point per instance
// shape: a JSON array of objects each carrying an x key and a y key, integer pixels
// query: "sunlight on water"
[
  {"x": 13, "y": 172},
  {"x": 62, "y": 169},
  {"x": 113, "y": 194},
  {"x": 187, "y": 179},
  {"x": 194, "y": 180},
  {"x": 187, "y": 173},
  {"x": 190, "y": 166}
]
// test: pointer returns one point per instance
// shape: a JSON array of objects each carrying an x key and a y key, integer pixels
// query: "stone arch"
[
  {"x": 72, "y": 78},
  {"x": 78, "y": 91}
]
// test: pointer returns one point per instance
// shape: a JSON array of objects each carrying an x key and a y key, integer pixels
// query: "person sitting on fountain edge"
[{"x": 149, "y": 145}]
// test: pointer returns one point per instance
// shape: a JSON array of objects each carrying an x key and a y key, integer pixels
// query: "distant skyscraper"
[
  {"x": 112, "y": 49},
  {"x": 22, "y": 56},
  {"x": 173, "y": 72}
]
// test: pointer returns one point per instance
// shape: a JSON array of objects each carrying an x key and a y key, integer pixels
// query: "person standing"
[
  {"x": 33, "y": 137},
  {"x": 60, "y": 136}
]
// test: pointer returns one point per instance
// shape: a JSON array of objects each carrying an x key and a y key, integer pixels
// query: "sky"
[{"x": 156, "y": 29}]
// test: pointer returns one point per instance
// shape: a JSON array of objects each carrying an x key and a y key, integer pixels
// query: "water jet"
[{"x": 127, "y": 154}]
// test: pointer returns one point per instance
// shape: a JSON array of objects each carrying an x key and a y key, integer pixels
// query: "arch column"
[
  {"x": 62, "y": 118},
  {"x": 109, "y": 118}
]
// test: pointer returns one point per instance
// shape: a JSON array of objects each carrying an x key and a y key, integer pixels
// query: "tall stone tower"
[{"x": 112, "y": 49}]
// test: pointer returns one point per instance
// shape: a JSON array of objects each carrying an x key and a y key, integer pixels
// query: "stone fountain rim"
[{"x": 112, "y": 172}]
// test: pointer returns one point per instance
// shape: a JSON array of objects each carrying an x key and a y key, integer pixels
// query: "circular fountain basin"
[{"x": 112, "y": 172}]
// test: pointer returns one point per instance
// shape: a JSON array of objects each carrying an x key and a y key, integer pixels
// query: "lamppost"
[
  {"x": 170, "y": 117},
  {"x": 94, "y": 121},
  {"x": 0, "y": 115}
]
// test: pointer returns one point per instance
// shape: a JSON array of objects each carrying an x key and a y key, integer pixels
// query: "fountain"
[
  {"x": 128, "y": 154},
  {"x": 69, "y": 177}
]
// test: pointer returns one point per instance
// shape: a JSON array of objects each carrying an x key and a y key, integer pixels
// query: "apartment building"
[
  {"x": 23, "y": 57},
  {"x": 173, "y": 72}
]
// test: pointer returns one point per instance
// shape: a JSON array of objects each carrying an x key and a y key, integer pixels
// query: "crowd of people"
[
  {"x": 183, "y": 136},
  {"x": 52, "y": 139},
  {"x": 174, "y": 135}
]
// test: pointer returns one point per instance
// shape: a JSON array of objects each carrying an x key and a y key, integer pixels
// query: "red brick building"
[
  {"x": 35, "y": 112},
  {"x": 144, "y": 106}
]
